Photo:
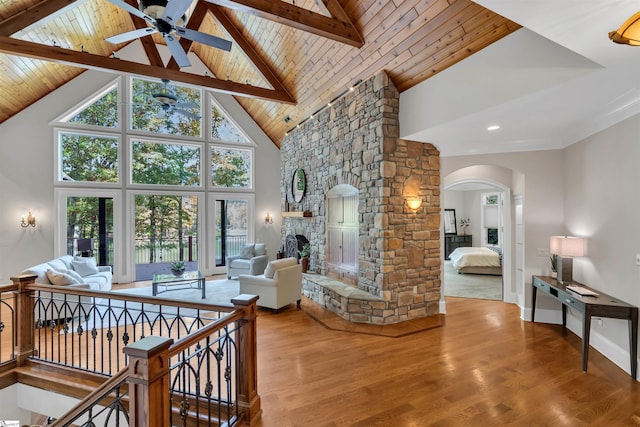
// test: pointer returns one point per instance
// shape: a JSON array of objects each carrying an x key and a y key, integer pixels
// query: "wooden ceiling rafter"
[
  {"x": 58, "y": 54},
  {"x": 247, "y": 48},
  {"x": 338, "y": 28},
  {"x": 32, "y": 15}
]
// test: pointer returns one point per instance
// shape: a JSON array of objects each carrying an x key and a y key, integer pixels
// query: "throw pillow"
[
  {"x": 248, "y": 251},
  {"x": 61, "y": 279},
  {"x": 84, "y": 266},
  {"x": 73, "y": 274},
  {"x": 273, "y": 266},
  {"x": 260, "y": 249}
]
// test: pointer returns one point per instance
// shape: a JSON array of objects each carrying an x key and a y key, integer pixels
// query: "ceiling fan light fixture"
[
  {"x": 629, "y": 32},
  {"x": 155, "y": 9}
]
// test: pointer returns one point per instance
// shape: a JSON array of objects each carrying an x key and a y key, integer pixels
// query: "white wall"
[
  {"x": 589, "y": 189},
  {"x": 27, "y": 176},
  {"x": 537, "y": 177},
  {"x": 602, "y": 204}
]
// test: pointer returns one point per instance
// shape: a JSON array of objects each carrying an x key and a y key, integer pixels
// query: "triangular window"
[
  {"x": 223, "y": 129},
  {"x": 101, "y": 110}
]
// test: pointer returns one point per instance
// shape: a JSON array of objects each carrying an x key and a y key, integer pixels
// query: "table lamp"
[{"x": 566, "y": 248}]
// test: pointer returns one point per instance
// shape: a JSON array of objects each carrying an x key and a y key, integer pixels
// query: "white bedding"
[{"x": 474, "y": 257}]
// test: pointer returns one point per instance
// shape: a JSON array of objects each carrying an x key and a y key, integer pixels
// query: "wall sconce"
[
  {"x": 30, "y": 220},
  {"x": 566, "y": 248},
  {"x": 414, "y": 202},
  {"x": 268, "y": 218}
]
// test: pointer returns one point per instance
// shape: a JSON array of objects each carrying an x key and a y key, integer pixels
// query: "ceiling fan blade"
[
  {"x": 175, "y": 9},
  {"x": 204, "y": 38},
  {"x": 188, "y": 114},
  {"x": 132, "y": 10},
  {"x": 176, "y": 51},
  {"x": 188, "y": 104},
  {"x": 130, "y": 35}
]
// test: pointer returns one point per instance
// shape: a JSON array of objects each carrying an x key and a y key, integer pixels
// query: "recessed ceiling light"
[{"x": 493, "y": 127}]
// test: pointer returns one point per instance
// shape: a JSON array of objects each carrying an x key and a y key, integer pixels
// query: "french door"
[
  {"x": 233, "y": 225},
  {"x": 87, "y": 225}
]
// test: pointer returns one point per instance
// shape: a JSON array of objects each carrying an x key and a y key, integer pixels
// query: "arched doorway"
[{"x": 492, "y": 179}]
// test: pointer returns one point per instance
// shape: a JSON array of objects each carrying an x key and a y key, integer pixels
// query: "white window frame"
[
  {"x": 251, "y": 232},
  {"x": 61, "y": 195}
]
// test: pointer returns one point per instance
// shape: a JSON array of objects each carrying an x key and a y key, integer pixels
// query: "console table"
[{"x": 602, "y": 305}]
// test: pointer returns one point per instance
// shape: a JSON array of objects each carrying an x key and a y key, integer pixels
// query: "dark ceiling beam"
[
  {"x": 88, "y": 60},
  {"x": 297, "y": 17},
  {"x": 252, "y": 54},
  {"x": 31, "y": 15}
]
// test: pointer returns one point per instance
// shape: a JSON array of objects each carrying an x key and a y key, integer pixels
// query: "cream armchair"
[
  {"x": 252, "y": 260},
  {"x": 279, "y": 286}
]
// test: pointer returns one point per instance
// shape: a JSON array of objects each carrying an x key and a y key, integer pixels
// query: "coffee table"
[{"x": 171, "y": 282}]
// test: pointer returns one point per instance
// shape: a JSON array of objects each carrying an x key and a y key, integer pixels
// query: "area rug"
[
  {"x": 479, "y": 286},
  {"x": 111, "y": 312},
  {"x": 217, "y": 291}
]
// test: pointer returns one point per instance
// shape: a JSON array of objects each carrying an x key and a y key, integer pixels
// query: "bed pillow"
[
  {"x": 60, "y": 279},
  {"x": 496, "y": 249},
  {"x": 84, "y": 266}
]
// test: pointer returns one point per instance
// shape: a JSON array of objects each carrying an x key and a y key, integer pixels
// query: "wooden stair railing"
[{"x": 148, "y": 370}]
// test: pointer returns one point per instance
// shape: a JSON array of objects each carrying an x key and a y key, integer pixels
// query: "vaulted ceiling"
[{"x": 288, "y": 59}]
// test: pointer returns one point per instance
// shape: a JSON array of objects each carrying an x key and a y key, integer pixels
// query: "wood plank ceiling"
[{"x": 289, "y": 58}]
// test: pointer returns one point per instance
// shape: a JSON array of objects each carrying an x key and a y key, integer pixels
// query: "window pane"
[
  {"x": 223, "y": 129},
  {"x": 90, "y": 218},
  {"x": 231, "y": 168},
  {"x": 165, "y": 164},
  {"x": 103, "y": 112},
  {"x": 165, "y": 108},
  {"x": 88, "y": 158},
  {"x": 166, "y": 230}
]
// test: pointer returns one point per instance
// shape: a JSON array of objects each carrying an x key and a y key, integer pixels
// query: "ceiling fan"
[
  {"x": 165, "y": 17},
  {"x": 169, "y": 103}
]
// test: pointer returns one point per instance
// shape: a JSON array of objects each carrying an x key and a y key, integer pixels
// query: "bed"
[{"x": 477, "y": 260}]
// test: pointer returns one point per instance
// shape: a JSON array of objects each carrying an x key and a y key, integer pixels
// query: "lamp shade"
[
  {"x": 566, "y": 246},
  {"x": 629, "y": 32}
]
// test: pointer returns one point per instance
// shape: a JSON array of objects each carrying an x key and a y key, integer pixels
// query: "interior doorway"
[{"x": 467, "y": 197}]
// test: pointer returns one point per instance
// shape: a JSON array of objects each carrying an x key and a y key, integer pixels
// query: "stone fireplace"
[{"x": 355, "y": 143}]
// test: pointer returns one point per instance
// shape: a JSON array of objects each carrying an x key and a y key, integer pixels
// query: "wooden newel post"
[
  {"x": 23, "y": 329},
  {"x": 149, "y": 404},
  {"x": 248, "y": 398}
]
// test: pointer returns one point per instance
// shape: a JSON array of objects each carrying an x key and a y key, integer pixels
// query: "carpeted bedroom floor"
[{"x": 479, "y": 286}]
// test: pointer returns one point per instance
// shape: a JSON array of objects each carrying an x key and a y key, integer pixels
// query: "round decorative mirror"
[{"x": 298, "y": 185}]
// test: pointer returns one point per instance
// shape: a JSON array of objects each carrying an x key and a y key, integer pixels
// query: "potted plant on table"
[
  {"x": 304, "y": 256},
  {"x": 177, "y": 268},
  {"x": 554, "y": 265}
]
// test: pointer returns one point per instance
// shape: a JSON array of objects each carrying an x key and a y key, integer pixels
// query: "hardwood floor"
[{"x": 484, "y": 367}]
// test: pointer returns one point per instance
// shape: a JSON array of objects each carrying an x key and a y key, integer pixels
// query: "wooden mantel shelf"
[{"x": 305, "y": 214}]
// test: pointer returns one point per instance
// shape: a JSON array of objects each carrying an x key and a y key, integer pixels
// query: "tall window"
[{"x": 147, "y": 143}]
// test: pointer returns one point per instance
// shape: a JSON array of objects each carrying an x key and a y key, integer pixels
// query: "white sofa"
[
  {"x": 252, "y": 260},
  {"x": 279, "y": 286},
  {"x": 73, "y": 272}
]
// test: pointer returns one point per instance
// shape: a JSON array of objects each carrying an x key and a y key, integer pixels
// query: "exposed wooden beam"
[
  {"x": 88, "y": 60},
  {"x": 297, "y": 17},
  {"x": 31, "y": 15},
  {"x": 246, "y": 47}
]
